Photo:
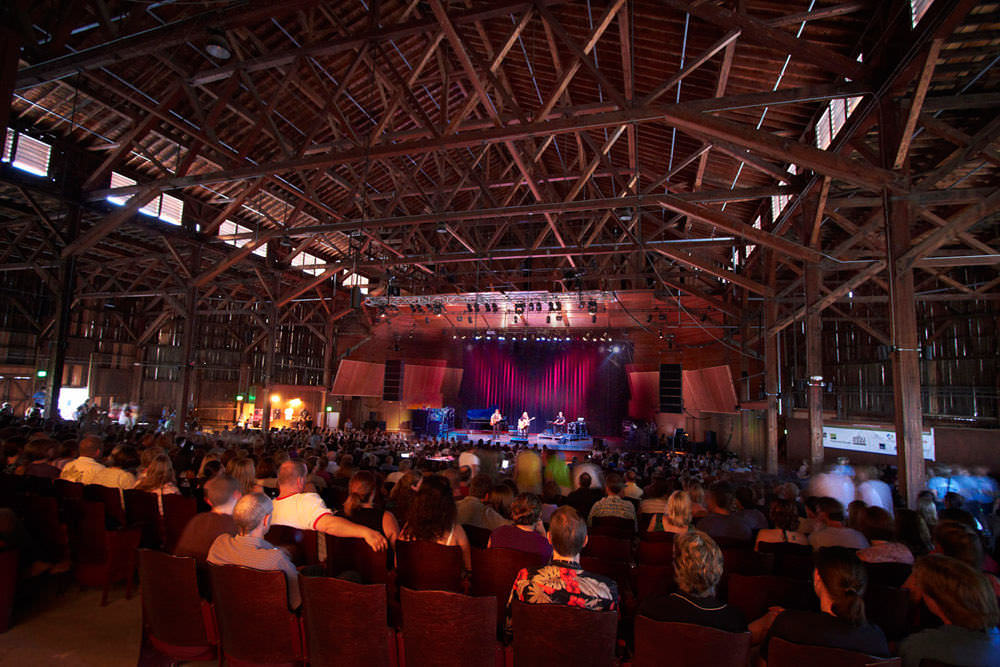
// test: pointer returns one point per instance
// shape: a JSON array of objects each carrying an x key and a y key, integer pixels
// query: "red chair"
[
  {"x": 753, "y": 595},
  {"x": 255, "y": 625},
  {"x": 479, "y": 538},
  {"x": 696, "y": 645},
  {"x": 101, "y": 556},
  {"x": 790, "y": 560},
  {"x": 893, "y": 575},
  {"x": 345, "y": 623},
  {"x": 552, "y": 635},
  {"x": 746, "y": 561},
  {"x": 656, "y": 552},
  {"x": 114, "y": 510},
  {"x": 8, "y": 586},
  {"x": 494, "y": 572},
  {"x": 443, "y": 629},
  {"x": 608, "y": 548},
  {"x": 302, "y": 546},
  {"x": 177, "y": 511},
  {"x": 41, "y": 520},
  {"x": 890, "y": 609},
  {"x": 423, "y": 565},
  {"x": 653, "y": 581},
  {"x": 781, "y": 653},
  {"x": 180, "y": 624},
  {"x": 143, "y": 509},
  {"x": 613, "y": 526},
  {"x": 65, "y": 489},
  {"x": 353, "y": 553}
]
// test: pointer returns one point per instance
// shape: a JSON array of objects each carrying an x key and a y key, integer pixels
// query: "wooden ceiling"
[{"x": 631, "y": 146}]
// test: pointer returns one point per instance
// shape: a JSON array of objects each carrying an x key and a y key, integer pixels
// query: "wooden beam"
[
  {"x": 916, "y": 104},
  {"x": 306, "y": 285},
  {"x": 823, "y": 302},
  {"x": 112, "y": 221}
]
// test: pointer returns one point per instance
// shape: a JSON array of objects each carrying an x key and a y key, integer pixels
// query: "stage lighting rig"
[{"x": 519, "y": 308}]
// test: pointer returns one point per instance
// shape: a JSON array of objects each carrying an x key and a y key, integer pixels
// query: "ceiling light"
[{"x": 218, "y": 47}]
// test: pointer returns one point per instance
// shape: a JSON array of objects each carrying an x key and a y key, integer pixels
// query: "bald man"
[{"x": 86, "y": 468}]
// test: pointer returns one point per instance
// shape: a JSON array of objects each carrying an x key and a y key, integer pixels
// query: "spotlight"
[
  {"x": 538, "y": 306},
  {"x": 518, "y": 308},
  {"x": 551, "y": 307},
  {"x": 413, "y": 308},
  {"x": 531, "y": 307},
  {"x": 548, "y": 319},
  {"x": 468, "y": 307},
  {"x": 495, "y": 308},
  {"x": 558, "y": 305},
  {"x": 616, "y": 349},
  {"x": 381, "y": 312},
  {"x": 477, "y": 307},
  {"x": 593, "y": 319}
]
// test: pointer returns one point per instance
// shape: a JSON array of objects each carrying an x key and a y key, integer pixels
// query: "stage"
[{"x": 562, "y": 442}]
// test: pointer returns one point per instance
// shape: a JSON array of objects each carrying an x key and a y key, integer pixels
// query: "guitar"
[
  {"x": 523, "y": 423},
  {"x": 495, "y": 419}
]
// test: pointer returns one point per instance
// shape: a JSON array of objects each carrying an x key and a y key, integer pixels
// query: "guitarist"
[
  {"x": 495, "y": 419},
  {"x": 523, "y": 423}
]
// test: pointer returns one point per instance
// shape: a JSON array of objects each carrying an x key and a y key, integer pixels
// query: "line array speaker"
[{"x": 670, "y": 388}]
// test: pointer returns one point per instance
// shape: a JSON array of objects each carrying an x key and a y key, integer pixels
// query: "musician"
[
  {"x": 559, "y": 423},
  {"x": 523, "y": 423},
  {"x": 495, "y": 420}
]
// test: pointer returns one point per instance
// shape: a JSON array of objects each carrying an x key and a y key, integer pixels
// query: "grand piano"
[{"x": 478, "y": 419}]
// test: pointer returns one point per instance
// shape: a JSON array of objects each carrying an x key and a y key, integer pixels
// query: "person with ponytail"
[
  {"x": 364, "y": 505},
  {"x": 839, "y": 581}
]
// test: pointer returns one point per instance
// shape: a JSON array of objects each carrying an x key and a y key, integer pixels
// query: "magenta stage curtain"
[{"x": 579, "y": 379}]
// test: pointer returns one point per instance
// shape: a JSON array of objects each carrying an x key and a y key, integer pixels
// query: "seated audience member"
[
  {"x": 527, "y": 533},
  {"x": 563, "y": 581},
  {"x": 785, "y": 519},
  {"x": 244, "y": 472},
  {"x": 855, "y": 510},
  {"x": 697, "y": 493},
  {"x": 655, "y": 498},
  {"x": 473, "y": 509},
  {"x": 632, "y": 489},
  {"x": 912, "y": 530},
  {"x": 120, "y": 474},
  {"x": 431, "y": 516},
  {"x": 37, "y": 459},
  {"x": 967, "y": 606},
  {"x": 85, "y": 468},
  {"x": 158, "y": 479},
  {"x": 221, "y": 494},
  {"x": 363, "y": 506},
  {"x": 402, "y": 494},
  {"x": 612, "y": 505},
  {"x": 676, "y": 518},
  {"x": 307, "y": 511},
  {"x": 811, "y": 522},
  {"x": 954, "y": 510},
  {"x": 697, "y": 571},
  {"x": 747, "y": 511},
  {"x": 252, "y": 517},
  {"x": 582, "y": 499},
  {"x": 832, "y": 532},
  {"x": 500, "y": 498},
  {"x": 552, "y": 498},
  {"x": 958, "y": 540},
  {"x": 839, "y": 581},
  {"x": 878, "y": 526},
  {"x": 720, "y": 523},
  {"x": 404, "y": 467}
]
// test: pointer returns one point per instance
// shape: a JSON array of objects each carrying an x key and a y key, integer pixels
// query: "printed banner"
[{"x": 870, "y": 439}]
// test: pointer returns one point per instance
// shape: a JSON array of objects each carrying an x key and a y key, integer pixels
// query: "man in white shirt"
[
  {"x": 86, "y": 468},
  {"x": 632, "y": 490},
  {"x": 307, "y": 511},
  {"x": 469, "y": 458}
]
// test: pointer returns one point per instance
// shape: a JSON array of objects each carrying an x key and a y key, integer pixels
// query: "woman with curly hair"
[
  {"x": 431, "y": 516},
  {"x": 159, "y": 478}
]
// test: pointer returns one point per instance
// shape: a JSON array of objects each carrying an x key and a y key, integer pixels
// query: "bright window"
[
  {"x": 304, "y": 259},
  {"x": 229, "y": 227},
  {"x": 779, "y": 202},
  {"x": 167, "y": 208},
  {"x": 353, "y": 279},
  {"x": 26, "y": 153},
  {"x": 917, "y": 10}
]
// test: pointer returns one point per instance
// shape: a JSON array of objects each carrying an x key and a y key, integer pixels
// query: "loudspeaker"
[
  {"x": 356, "y": 297},
  {"x": 670, "y": 388},
  {"x": 392, "y": 385}
]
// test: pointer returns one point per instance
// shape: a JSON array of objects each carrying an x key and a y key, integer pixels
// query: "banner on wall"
[{"x": 873, "y": 440}]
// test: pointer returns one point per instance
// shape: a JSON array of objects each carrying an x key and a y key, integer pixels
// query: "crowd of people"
[{"x": 543, "y": 502}]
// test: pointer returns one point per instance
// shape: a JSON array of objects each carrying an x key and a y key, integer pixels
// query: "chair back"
[
  {"x": 889, "y": 608},
  {"x": 302, "y": 545},
  {"x": 443, "y": 629},
  {"x": 87, "y": 532},
  {"x": 478, "y": 537},
  {"x": 66, "y": 489},
  {"x": 790, "y": 560},
  {"x": 653, "y": 580},
  {"x": 888, "y": 574},
  {"x": 8, "y": 586},
  {"x": 143, "y": 509},
  {"x": 423, "y": 565},
  {"x": 494, "y": 571},
  {"x": 608, "y": 548},
  {"x": 744, "y": 560},
  {"x": 552, "y": 635},
  {"x": 353, "y": 553},
  {"x": 753, "y": 595},
  {"x": 171, "y": 604},
  {"x": 698, "y": 646},
  {"x": 618, "y": 570},
  {"x": 657, "y": 551},
  {"x": 781, "y": 653},
  {"x": 613, "y": 526},
  {"x": 345, "y": 623},
  {"x": 177, "y": 511},
  {"x": 251, "y": 607},
  {"x": 41, "y": 520},
  {"x": 112, "y": 500}
]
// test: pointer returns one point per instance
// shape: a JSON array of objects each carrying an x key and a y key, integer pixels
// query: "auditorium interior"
[{"x": 769, "y": 227}]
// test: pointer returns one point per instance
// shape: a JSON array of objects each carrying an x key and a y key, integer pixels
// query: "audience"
[
  {"x": 86, "y": 467},
  {"x": 677, "y": 516},
  {"x": 159, "y": 479},
  {"x": 582, "y": 499},
  {"x": 785, "y": 520},
  {"x": 244, "y": 472},
  {"x": 879, "y": 528},
  {"x": 831, "y": 531},
  {"x": 474, "y": 511},
  {"x": 120, "y": 473},
  {"x": 221, "y": 493},
  {"x": 527, "y": 532},
  {"x": 432, "y": 516},
  {"x": 563, "y": 581},
  {"x": 612, "y": 505},
  {"x": 363, "y": 506},
  {"x": 252, "y": 518},
  {"x": 720, "y": 523}
]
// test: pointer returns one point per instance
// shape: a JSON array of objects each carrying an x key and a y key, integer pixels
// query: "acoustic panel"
[{"x": 358, "y": 378}]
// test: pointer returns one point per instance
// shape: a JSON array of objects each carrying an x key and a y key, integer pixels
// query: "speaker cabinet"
[
  {"x": 392, "y": 386},
  {"x": 670, "y": 388}
]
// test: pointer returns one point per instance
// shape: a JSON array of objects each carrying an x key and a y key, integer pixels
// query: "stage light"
[
  {"x": 275, "y": 398},
  {"x": 538, "y": 306},
  {"x": 468, "y": 307},
  {"x": 454, "y": 337},
  {"x": 239, "y": 397},
  {"x": 548, "y": 319},
  {"x": 593, "y": 319},
  {"x": 558, "y": 305},
  {"x": 478, "y": 337},
  {"x": 477, "y": 307},
  {"x": 503, "y": 338},
  {"x": 495, "y": 308},
  {"x": 616, "y": 349},
  {"x": 551, "y": 307},
  {"x": 519, "y": 308},
  {"x": 381, "y": 312},
  {"x": 295, "y": 402},
  {"x": 458, "y": 318}
]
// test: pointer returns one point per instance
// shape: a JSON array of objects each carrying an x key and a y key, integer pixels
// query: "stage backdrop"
[{"x": 580, "y": 380}]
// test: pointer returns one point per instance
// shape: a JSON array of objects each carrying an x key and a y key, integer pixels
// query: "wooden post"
[
  {"x": 57, "y": 357},
  {"x": 814, "y": 365},
  {"x": 329, "y": 352},
  {"x": 10, "y": 52},
  {"x": 183, "y": 394},
  {"x": 272, "y": 335},
  {"x": 135, "y": 391},
  {"x": 771, "y": 369},
  {"x": 908, "y": 416}
]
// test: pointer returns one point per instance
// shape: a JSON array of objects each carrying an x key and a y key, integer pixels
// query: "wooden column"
[
  {"x": 135, "y": 390},
  {"x": 10, "y": 52},
  {"x": 272, "y": 335},
  {"x": 329, "y": 353},
  {"x": 183, "y": 395},
  {"x": 60, "y": 336},
  {"x": 814, "y": 365},
  {"x": 908, "y": 417},
  {"x": 771, "y": 368}
]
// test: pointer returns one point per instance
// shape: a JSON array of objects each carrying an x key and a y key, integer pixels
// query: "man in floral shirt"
[{"x": 563, "y": 581}]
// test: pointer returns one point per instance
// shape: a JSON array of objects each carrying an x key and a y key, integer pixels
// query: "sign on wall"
[{"x": 873, "y": 440}]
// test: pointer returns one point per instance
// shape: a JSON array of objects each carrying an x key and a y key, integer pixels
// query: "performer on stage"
[
  {"x": 559, "y": 423},
  {"x": 523, "y": 423},
  {"x": 495, "y": 420}
]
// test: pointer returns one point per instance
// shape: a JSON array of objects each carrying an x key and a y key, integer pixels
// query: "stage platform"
[{"x": 572, "y": 443}]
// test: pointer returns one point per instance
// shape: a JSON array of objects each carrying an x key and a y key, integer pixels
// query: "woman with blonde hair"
[
  {"x": 697, "y": 493},
  {"x": 963, "y": 600},
  {"x": 159, "y": 479},
  {"x": 244, "y": 472},
  {"x": 677, "y": 517},
  {"x": 364, "y": 506}
]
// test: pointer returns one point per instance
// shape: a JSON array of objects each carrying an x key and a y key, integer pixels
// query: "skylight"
[
  {"x": 26, "y": 153},
  {"x": 167, "y": 208},
  {"x": 229, "y": 227},
  {"x": 304, "y": 259}
]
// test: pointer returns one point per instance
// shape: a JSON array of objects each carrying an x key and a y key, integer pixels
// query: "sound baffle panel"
[{"x": 670, "y": 388}]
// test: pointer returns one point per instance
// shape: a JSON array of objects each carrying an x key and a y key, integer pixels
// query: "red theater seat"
[
  {"x": 180, "y": 624},
  {"x": 345, "y": 624}
]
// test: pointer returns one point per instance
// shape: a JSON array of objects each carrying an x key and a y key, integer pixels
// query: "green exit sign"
[
  {"x": 239, "y": 397},
  {"x": 252, "y": 397},
  {"x": 41, "y": 374},
  {"x": 329, "y": 408}
]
